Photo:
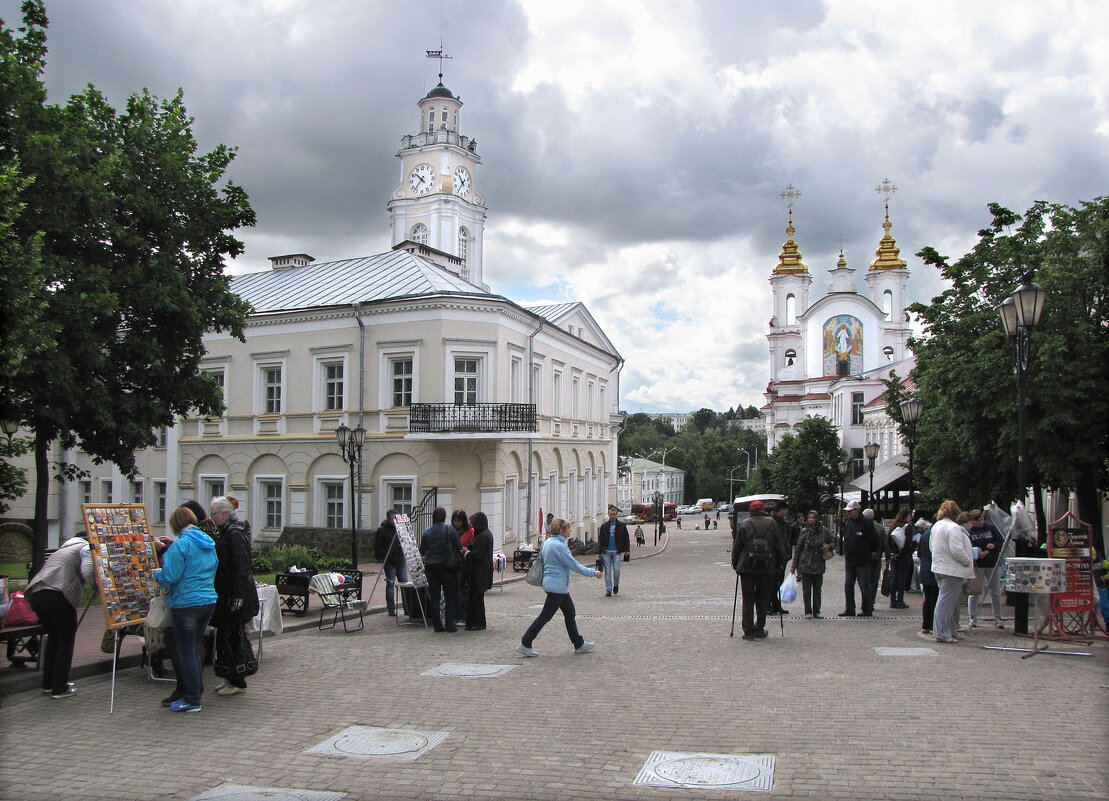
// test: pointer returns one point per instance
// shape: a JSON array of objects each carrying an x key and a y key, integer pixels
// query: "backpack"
[{"x": 760, "y": 557}]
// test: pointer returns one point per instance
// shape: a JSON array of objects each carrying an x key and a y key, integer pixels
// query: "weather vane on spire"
[
  {"x": 789, "y": 194},
  {"x": 439, "y": 54},
  {"x": 886, "y": 188}
]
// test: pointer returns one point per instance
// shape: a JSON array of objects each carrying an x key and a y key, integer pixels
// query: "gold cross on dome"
[
  {"x": 886, "y": 188},
  {"x": 841, "y": 239},
  {"x": 789, "y": 194}
]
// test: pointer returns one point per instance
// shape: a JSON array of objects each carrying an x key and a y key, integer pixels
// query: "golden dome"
[
  {"x": 887, "y": 252},
  {"x": 790, "y": 260}
]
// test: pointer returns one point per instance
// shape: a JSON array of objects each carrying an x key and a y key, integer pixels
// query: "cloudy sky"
[{"x": 633, "y": 150}]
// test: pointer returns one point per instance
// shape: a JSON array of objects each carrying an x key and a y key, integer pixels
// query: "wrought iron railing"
[{"x": 446, "y": 418}]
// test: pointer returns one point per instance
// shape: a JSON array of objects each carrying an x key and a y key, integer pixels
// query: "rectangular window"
[
  {"x": 334, "y": 504},
  {"x": 536, "y": 391},
  {"x": 856, "y": 462},
  {"x": 556, "y": 395},
  {"x": 575, "y": 397},
  {"x": 272, "y": 498},
  {"x": 516, "y": 387},
  {"x": 159, "y": 501},
  {"x": 218, "y": 377},
  {"x": 85, "y": 489},
  {"x": 401, "y": 370},
  {"x": 271, "y": 379},
  {"x": 511, "y": 504},
  {"x": 213, "y": 488},
  {"x": 590, "y": 411},
  {"x": 465, "y": 382},
  {"x": 857, "y": 408},
  {"x": 400, "y": 498},
  {"x": 136, "y": 491},
  {"x": 160, "y": 437},
  {"x": 604, "y": 411},
  {"x": 106, "y": 490},
  {"x": 333, "y": 386}
]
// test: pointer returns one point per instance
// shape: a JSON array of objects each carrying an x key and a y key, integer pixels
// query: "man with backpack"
[{"x": 757, "y": 551}]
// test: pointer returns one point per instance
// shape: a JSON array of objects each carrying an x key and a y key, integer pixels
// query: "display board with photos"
[
  {"x": 124, "y": 560},
  {"x": 411, "y": 551}
]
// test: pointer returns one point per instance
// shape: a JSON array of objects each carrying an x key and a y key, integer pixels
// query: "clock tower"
[{"x": 437, "y": 203}]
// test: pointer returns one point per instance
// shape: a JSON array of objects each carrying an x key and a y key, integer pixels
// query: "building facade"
[
  {"x": 828, "y": 355},
  {"x": 643, "y": 478},
  {"x": 468, "y": 399}
]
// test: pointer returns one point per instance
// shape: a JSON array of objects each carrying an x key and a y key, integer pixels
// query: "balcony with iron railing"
[{"x": 477, "y": 418}]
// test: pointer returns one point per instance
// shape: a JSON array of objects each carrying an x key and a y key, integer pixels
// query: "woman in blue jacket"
[
  {"x": 189, "y": 572},
  {"x": 557, "y": 564}
]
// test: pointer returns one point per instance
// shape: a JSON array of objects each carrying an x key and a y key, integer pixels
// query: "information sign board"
[{"x": 1073, "y": 545}]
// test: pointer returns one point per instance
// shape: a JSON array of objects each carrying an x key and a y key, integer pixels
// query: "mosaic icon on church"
[{"x": 843, "y": 345}]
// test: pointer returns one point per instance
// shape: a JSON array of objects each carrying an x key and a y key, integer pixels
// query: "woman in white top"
[{"x": 952, "y": 564}]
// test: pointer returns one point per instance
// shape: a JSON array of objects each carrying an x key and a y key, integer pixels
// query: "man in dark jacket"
[
  {"x": 878, "y": 557},
  {"x": 860, "y": 544},
  {"x": 757, "y": 551},
  {"x": 387, "y": 549},
  {"x": 790, "y": 532},
  {"x": 612, "y": 541}
]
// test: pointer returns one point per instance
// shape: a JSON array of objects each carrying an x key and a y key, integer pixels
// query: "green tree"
[
  {"x": 134, "y": 226},
  {"x": 967, "y": 438},
  {"x": 799, "y": 459}
]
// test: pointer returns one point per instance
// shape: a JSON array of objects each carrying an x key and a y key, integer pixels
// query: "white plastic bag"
[{"x": 788, "y": 591}]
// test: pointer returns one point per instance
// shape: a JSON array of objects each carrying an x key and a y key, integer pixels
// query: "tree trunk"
[
  {"x": 1089, "y": 509},
  {"x": 42, "y": 497}
]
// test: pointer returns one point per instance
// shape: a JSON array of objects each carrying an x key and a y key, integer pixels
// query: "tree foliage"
[
  {"x": 132, "y": 226},
  {"x": 799, "y": 460},
  {"x": 967, "y": 438}
]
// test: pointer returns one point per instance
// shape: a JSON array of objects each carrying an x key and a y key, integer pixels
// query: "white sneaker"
[
  {"x": 523, "y": 649},
  {"x": 230, "y": 689},
  {"x": 585, "y": 647},
  {"x": 223, "y": 685}
]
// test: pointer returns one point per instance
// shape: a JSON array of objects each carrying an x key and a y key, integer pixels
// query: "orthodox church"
[{"x": 828, "y": 355}]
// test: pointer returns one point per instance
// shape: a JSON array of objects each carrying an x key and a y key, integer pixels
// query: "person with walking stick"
[{"x": 757, "y": 550}]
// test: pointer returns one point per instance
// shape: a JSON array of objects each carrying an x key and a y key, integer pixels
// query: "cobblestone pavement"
[{"x": 841, "y": 721}]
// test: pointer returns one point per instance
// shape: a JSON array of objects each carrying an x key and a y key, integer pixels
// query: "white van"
[{"x": 706, "y": 504}]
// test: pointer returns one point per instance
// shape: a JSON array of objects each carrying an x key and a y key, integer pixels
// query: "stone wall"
[
  {"x": 15, "y": 542},
  {"x": 332, "y": 541}
]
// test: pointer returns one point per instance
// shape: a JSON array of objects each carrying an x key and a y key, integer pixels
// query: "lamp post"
[
  {"x": 748, "y": 478},
  {"x": 350, "y": 446},
  {"x": 1020, "y": 313},
  {"x": 9, "y": 427},
  {"x": 871, "y": 450},
  {"x": 911, "y": 410},
  {"x": 731, "y": 492}
]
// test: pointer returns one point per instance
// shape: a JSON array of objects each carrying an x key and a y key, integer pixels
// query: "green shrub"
[{"x": 267, "y": 560}]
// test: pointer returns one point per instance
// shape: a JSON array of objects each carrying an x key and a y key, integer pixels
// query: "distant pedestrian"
[
  {"x": 757, "y": 550},
  {"x": 387, "y": 549},
  {"x": 953, "y": 564},
  {"x": 929, "y": 588},
  {"x": 815, "y": 547},
  {"x": 790, "y": 532},
  {"x": 679, "y": 522},
  {"x": 54, "y": 595},
  {"x": 986, "y": 537},
  {"x": 558, "y": 562},
  {"x": 860, "y": 544},
  {"x": 612, "y": 542},
  {"x": 189, "y": 574},
  {"x": 877, "y": 557},
  {"x": 901, "y": 558},
  {"x": 436, "y": 544},
  {"x": 478, "y": 568},
  {"x": 461, "y": 523},
  {"x": 238, "y": 598},
  {"x": 639, "y": 538}
]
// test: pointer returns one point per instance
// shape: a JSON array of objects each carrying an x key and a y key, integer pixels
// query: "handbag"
[
  {"x": 234, "y": 654},
  {"x": 886, "y": 581},
  {"x": 454, "y": 558},
  {"x": 20, "y": 612},
  {"x": 158, "y": 615},
  {"x": 974, "y": 586},
  {"x": 627, "y": 556},
  {"x": 535, "y": 572}
]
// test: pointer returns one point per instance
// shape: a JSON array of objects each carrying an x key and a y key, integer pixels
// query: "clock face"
[
  {"x": 422, "y": 179},
  {"x": 462, "y": 182}
]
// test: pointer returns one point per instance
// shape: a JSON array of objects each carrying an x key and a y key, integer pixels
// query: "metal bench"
[{"x": 24, "y": 644}]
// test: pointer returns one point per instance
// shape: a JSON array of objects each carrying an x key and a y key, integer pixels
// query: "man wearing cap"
[
  {"x": 757, "y": 551},
  {"x": 859, "y": 545},
  {"x": 612, "y": 541}
]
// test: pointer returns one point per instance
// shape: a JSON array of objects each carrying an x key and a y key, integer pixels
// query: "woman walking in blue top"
[
  {"x": 189, "y": 571},
  {"x": 557, "y": 564}
]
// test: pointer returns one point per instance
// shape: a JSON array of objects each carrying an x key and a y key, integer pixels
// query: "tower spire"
[
  {"x": 887, "y": 254},
  {"x": 790, "y": 259},
  {"x": 439, "y": 54}
]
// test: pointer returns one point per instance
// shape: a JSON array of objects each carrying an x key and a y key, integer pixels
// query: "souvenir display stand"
[
  {"x": 1035, "y": 576},
  {"x": 414, "y": 591},
  {"x": 124, "y": 561}
]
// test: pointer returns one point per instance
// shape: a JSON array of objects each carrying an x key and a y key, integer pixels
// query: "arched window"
[
  {"x": 463, "y": 250},
  {"x": 419, "y": 233},
  {"x": 887, "y": 351},
  {"x": 791, "y": 310},
  {"x": 791, "y": 357},
  {"x": 887, "y": 304}
]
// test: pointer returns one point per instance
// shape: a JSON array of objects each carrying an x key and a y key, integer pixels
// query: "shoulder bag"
[{"x": 535, "y": 572}]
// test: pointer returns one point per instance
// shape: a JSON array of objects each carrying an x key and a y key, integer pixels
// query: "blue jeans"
[
  {"x": 554, "y": 602},
  {"x": 392, "y": 573},
  {"x": 611, "y": 560},
  {"x": 188, "y": 625}
]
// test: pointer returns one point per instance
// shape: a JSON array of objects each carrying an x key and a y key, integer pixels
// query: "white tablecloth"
[{"x": 268, "y": 618}]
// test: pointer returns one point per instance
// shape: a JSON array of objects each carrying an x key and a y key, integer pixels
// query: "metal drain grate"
[
  {"x": 695, "y": 771},
  {"x": 242, "y": 792},
  {"x": 468, "y": 670},
  {"x": 373, "y": 742}
]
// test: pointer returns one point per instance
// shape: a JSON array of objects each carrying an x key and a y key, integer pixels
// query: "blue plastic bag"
[{"x": 788, "y": 591}]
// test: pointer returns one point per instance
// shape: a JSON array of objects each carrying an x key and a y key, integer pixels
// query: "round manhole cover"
[
  {"x": 707, "y": 771},
  {"x": 381, "y": 743}
]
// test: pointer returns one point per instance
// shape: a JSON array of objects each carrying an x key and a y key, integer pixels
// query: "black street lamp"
[
  {"x": 350, "y": 446},
  {"x": 911, "y": 410},
  {"x": 1020, "y": 313},
  {"x": 871, "y": 450},
  {"x": 9, "y": 427}
]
